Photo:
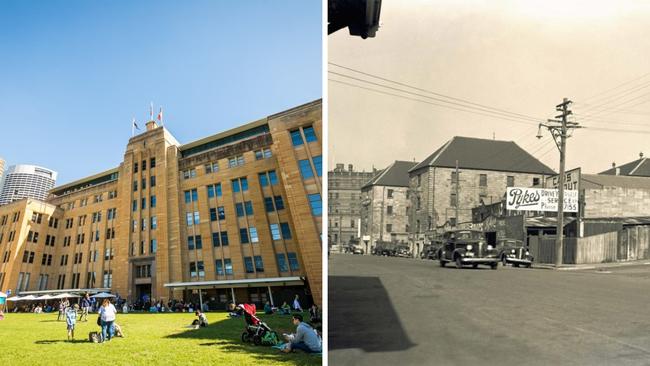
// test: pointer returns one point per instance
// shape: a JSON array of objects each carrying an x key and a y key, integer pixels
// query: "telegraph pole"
[
  {"x": 457, "y": 197},
  {"x": 559, "y": 130}
]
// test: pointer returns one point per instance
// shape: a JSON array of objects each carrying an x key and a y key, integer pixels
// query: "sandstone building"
[{"x": 233, "y": 216}]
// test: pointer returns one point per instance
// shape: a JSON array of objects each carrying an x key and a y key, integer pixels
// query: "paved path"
[{"x": 397, "y": 311}]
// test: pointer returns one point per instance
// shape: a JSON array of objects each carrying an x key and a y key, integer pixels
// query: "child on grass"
[{"x": 71, "y": 320}]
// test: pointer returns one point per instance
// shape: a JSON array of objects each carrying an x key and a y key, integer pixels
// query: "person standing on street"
[{"x": 107, "y": 314}]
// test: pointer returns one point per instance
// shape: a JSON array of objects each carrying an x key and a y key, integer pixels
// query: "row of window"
[
  {"x": 152, "y": 164},
  {"x": 143, "y": 203},
  {"x": 84, "y": 201},
  {"x": 223, "y": 267},
  {"x": 96, "y": 217},
  {"x": 308, "y": 132},
  {"x": 14, "y": 218},
  {"x": 238, "y": 185},
  {"x": 246, "y": 235},
  {"x": 233, "y": 162},
  {"x": 306, "y": 170},
  {"x": 143, "y": 184}
]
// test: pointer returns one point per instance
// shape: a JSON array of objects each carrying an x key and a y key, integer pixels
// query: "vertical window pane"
[
  {"x": 282, "y": 263},
  {"x": 248, "y": 262},
  {"x": 316, "y": 204},
  {"x": 310, "y": 134},
  {"x": 296, "y": 138},
  {"x": 264, "y": 180},
  {"x": 318, "y": 164},
  {"x": 305, "y": 169}
]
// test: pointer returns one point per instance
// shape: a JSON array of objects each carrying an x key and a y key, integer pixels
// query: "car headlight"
[
  {"x": 512, "y": 251},
  {"x": 489, "y": 247},
  {"x": 527, "y": 253},
  {"x": 468, "y": 247}
]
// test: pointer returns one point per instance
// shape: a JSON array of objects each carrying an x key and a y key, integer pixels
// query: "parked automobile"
[
  {"x": 465, "y": 247},
  {"x": 385, "y": 248},
  {"x": 403, "y": 251},
  {"x": 430, "y": 251},
  {"x": 357, "y": 250},
  {"x": 514, "y": 252}
]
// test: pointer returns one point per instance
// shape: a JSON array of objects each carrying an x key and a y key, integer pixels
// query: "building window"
[
  {"x": 191, "y": 196},
  {"x": 316, "y": 204},
  {"x": 452, "y": 221},
  {"x": 275, "y": 231},
  {"x": 108, "y": 278},
  {"x": 135, "y": 185},
  {"x": 243, "y": 236},
  {"x": 279, "y": 204},
  {"x": 305, "y": 169},
  {"x": 143, "y": 204},
  {"x": 510, "y": 181},
  {"x": 286, "y": 231},
  {"x": 318, "y": 164},
  {"x": 253, "y": 235},
  {"x": 389, "y": 228},
  {"x": 264, "y": 153},
  {"x": 293, "y": 261},
  {"x": 310, "y": 134},
  {"x": 152, "y": 162},
  {"x": 154, "y": 222},
  {"x": 389, "y": 193},
  {"x": 389, "y": 210},
  {"x": 536, "y": 181},
  {"x": 268, "y": 204},
  {"x": 296, "y": 138},
  {"x": 211, "y": 167},
  {"x": 152, "y": 181},
  {"x": 282, "y": 263},
  {"x": 144, "y": 183},
  {"x": 228, "y": 265},
  {"x": 235, "y": 161},
  {"x": 218, "y": 265},
  {"x": 248, "y": 263},
  {"x": 482, "y": 180},
  {"x": 419, "y": 180},
  {"x": 153, "y": 201},
  {"x": 453, "y": 201},
  {"x": 418, "y": 203},
  {"x": 135, "y": 167},
  {"x": 153, "y": 246},
  {"x": 259, "y": 264},
  {"x": 189, "y": 173}
]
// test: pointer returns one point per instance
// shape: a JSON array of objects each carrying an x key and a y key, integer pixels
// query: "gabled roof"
[
  {"x": 639, "y": 168},
  {"x": 395, "y": 175},
  {"x": 484, "y": 154}
]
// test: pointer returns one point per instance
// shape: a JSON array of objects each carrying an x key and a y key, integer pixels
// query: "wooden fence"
[{"x": 629, "y": 244}]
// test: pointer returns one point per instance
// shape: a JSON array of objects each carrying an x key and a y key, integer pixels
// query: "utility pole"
[
  {"x": 560, "y": 131},
  {"x": 457, "y": 197}
]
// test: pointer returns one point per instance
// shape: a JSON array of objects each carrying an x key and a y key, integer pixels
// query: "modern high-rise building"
[
  {"x": 2, "y": 170},
  {"x": 25, "y": 181},
  {"x": 231, "y": 217}
]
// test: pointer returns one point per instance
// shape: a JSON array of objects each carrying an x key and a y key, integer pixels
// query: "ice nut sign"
[{"x": 539, "y": 199}]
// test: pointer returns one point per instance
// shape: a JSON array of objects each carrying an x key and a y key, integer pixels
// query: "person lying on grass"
[{"x": 305, "y": 338}]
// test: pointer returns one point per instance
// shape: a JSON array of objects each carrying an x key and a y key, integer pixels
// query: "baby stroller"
[{"x": 256, "y": 330}]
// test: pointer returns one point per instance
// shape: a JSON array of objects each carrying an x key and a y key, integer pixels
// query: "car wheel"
[
  {"x": 459, "y": 263},
  {"x": 442, "y": 263},
  {"x": 474, "y": 265},
  {"x": 494, "y": 265},
  {"x": 516, "y": 265},
  {"x": 504, "y": 261}
]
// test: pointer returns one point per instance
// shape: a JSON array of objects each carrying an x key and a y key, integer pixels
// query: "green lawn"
[{"x": 151, "y": 339}]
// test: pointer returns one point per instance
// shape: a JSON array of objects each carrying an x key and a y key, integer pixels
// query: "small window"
[
  {"x": 305, "y": 169},
  {"x": 293, "y": 261},
  {"x": 259, "y": 264},
  {"x": 390, "y": 193},
  {"x": 248, "y": 262},
  {"x": 275, "y": 231},
  {"x": 243, "y": 236},
  {"x": 296, "y": 138},
  {"x": 316, "y": 204},
  {"x": 310, "y": 134},
  {"x": 510, "y": 181},
  {"x": 282, "y": 263},
  {"x": 482, "y": 180}
]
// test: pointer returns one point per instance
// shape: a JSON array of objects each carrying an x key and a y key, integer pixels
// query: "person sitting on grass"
[
  {"x": 118, "y": 330},
  {"x": 268, "y": 309},
  {"x": 285, "y": 309},
  {"x": 200, "y": 321},
  {"x": 71, "y": 320},
  {"x": 305, "y": 339}
]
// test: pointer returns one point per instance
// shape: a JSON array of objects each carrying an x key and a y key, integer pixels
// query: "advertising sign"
[
  {"x": 571, "y": 180},
  {"x": 540, "y": 199}
]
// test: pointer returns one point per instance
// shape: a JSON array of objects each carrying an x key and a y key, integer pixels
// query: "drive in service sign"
[{"x": 540, "y": 199}]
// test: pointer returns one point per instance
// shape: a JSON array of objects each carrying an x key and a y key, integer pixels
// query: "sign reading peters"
[{"x": 540, "y": 199}]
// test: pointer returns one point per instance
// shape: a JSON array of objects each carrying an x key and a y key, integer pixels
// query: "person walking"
[
  {"x": 107, "y": 314},
  {"x": 85, "y": 307},
  {"x": 71, "y": 320},
  {"x": 296, "y": 304},
  {"x": 63, "y": 304}
]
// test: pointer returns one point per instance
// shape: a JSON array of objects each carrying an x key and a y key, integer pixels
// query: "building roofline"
[{"x": 83, "y": 180}]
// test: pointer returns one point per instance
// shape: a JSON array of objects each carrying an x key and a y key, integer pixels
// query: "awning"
[
  {"x": 249, "y": 282},
  {"x": 543, "y": 221},
  {"x": 67, "y": 290},
  {"x": 64, "y": 295},
  {"x": 44, "y": 297},
  {"x": 102, "y": 295}
]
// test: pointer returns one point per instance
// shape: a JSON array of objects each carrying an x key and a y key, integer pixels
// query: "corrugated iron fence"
[{"x": 629, "y": 244}]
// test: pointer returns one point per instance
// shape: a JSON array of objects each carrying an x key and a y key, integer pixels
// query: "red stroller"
[{"x": 256, "y": 330}]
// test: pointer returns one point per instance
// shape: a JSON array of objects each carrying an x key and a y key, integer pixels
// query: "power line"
[
  {"x": 618, "y": 86},
  {"x": 432, "y": 92},
  {"x": 435, "y": 104}
]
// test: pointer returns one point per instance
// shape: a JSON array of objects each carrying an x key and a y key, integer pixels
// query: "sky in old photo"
[{"x": 492, "y": 69}]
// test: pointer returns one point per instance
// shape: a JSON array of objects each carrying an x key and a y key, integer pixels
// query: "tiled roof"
[
  {"x": 484, "y": 154},
  {"x": 395, "y": 175},
  {"x": 639, "y": 168}
]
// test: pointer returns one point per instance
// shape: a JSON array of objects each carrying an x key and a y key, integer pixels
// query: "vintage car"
[
  {"x": 467, "y": 247},
  {"x": 402, "y": 251},
  {"x": 430, "y": 251},
  {"x": 514, "y": 252},
  {"x": 357, "y": 249}
]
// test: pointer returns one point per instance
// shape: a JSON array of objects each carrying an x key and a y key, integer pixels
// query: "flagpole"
[{"x": 133, "y": 127}]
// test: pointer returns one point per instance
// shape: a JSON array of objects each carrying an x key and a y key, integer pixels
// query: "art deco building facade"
[
  {"x": 234, "y": 216},
  {"x": 25, "y": 181}
]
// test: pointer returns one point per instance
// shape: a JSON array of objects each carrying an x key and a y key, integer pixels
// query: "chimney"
[
  {"x": 339, "y": 167},
  {"x": 618, "y": 171},
  {"x": 350, "y": 167},
  {"x": 613, "y": 165},
  {"x": 641, "y": 155},
  {"x": 151, "y": 125}
]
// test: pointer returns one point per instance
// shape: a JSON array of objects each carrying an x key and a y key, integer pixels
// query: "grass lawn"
[{"x": 151, "y": 339}]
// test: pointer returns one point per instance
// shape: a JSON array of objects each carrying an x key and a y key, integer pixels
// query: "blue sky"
[{"x": 74, "y": 73}]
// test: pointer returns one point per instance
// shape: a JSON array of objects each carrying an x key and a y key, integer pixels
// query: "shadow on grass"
[
  {"x": 362, "y": 316},
  {"x": 54, "y": 341},
  {"x": 226, "y": 335}
]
